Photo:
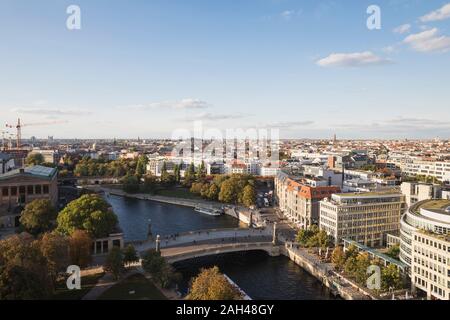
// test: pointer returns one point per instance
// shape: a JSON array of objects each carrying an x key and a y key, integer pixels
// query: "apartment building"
[
  {"x": 415, "y": 192},
  {"x": 299, "y": 201},
  {"x": 438, "y": 169},
  {"x": 429, "y": 215},
  {"x": 430, "y": 264},
  {"x": 362, "y": 217}
]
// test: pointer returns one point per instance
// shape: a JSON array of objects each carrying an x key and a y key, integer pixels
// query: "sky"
[{"x": 146, "y": 68}]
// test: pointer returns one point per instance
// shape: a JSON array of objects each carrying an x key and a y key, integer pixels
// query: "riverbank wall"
[{"x": 324, "y": 272}]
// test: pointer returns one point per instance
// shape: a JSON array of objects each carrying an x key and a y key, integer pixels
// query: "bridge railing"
[
  {"x": 193, "y": 252},
  {"x": 202, "y": 236}
]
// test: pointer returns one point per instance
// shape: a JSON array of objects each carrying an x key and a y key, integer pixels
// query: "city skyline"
[{"x": 311, "y": 69}]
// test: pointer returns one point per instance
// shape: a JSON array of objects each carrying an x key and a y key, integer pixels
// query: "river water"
[{"x": 259, "y": 275}]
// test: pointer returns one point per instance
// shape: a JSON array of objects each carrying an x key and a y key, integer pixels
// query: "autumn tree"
[
  {"x": 338, "y": 258},
  {"x": 248, "y": 196},
  {"x": 362, "y": 263},
  {"x": 38, "y": 216},
  {"x": 210, "y": 284},
  {"x": 55, "y": 248},
  {"x": 24, "y": 272},
  {"x": 80, "y": 248}
]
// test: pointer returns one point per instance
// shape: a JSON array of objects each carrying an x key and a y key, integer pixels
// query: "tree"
[
  {"x": 38, "y": 216},
  {"x": 201, "y": 173},
  {"x": 210, "y": 284},
  {"x": 319, "y": 239},
  {"x": 350, "y": 266},
  {"x": 114, "y": 262},
  {"x": 55, "y": 248},
  {"x": 150, "y": 183},
  {"x": 34, "y": 159},
  {"x": 394, "y": 251},
  {"x": 248, "y": 196},
  {"x": 391, "y": 278},
  {"x": 141, "y": 166},
  {"x": 18, "y": 283},
  {"x": 130, "y": 184},
  {"x": 80, "y": 248},
  {"x": 90, "y": 212},
  {"x": 228, "y": 192},
  {"x": 177, "y": 173},
  {"x": 352, "y": 251},
  {"x": 196, "y": 187},
  {"x": 159, "y": 269},
  {"x": 362, "y": 263},
  {"x": 338, "y": 258},
  {"x": 23, "y": 269},
  {"x": 152, "y": 262},
  {"x": 213, "y": 192},
  {"x": 130, "y": 254}
]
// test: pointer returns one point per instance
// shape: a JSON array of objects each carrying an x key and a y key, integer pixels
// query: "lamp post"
[
  {"x": 158, "y": 243},
  {"x": 274, "y": 239}
]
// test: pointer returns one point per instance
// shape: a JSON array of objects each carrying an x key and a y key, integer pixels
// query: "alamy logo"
[
  {"x": 74, "y": 280},
  {"x": 374, "y": 280},
  {"x": 73, "y": 21},
  {"x": 374, "y": 20}
]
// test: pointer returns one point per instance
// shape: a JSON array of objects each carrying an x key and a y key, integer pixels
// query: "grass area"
[
  {"x": 143, "y": 290},
  {"x": 178, "y": 193},
  {"x": 87, "y": 283},
  {"x": 436, "y": 204}
]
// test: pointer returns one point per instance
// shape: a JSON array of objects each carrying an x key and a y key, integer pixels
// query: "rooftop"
[
  {"x": 437, "y": 205},
  {"x": 389, "y": 192},
  {"x": 36, "y": 171}
]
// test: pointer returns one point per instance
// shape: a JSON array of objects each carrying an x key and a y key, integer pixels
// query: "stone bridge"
[
  {"x": 194, "y": 244},
  {"x": 176, "y": 254}
]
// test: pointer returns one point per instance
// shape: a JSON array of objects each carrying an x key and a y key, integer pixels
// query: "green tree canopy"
[
  {"x": 89, "y": 212},
  {"x": 38, "y": 216},
  {"x": 34, "y": 159},
  {"x": 114, "y": 262}
]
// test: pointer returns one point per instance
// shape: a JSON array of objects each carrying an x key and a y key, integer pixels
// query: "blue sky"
[{"x": 146, "y": 68}]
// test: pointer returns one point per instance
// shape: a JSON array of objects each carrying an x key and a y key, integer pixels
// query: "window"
[
  {"x": 22, "y": 189},
  {"x": 30, "y": 190},
  {"x": 5, "y": 191},
  {"x": 46, "y": 189},
  {"x": 38, "y": 189},
  {"x": 14, "y": 191}
]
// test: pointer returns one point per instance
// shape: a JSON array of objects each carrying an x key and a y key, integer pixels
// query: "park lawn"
[
  {"x": 87, "y": 283},
  {"x": 178, "y": 193},
  {"x": 144, "y": 290}
]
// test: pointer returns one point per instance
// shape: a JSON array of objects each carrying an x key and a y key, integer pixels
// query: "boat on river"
[{"x": 209, "y": 211}]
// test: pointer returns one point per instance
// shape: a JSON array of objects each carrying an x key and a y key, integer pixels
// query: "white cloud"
[
  {"x": 52, "y": 112},
  {"x": 437, "y": 15},
  {"x": 187, "y": 103},
  {"x": 428, "y": 41},
  {"x": 216, "y": 117},
  {"x": 357, "y": 59},
  {"x": 290, "y": 124},
  {"x": 289, "y": 14},
  {"x": 404, "y": 28}
]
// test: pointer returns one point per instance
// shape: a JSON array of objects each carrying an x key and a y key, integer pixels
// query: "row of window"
[
  {"x": 29, "y": 189},
  {"x": 432, "y": 243}
]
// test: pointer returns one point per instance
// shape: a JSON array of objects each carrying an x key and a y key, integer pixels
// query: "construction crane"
[{"x": 20, "y": 125}]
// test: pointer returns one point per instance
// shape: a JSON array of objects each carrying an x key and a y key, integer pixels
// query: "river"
[{"x": 259, "y": 275}]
